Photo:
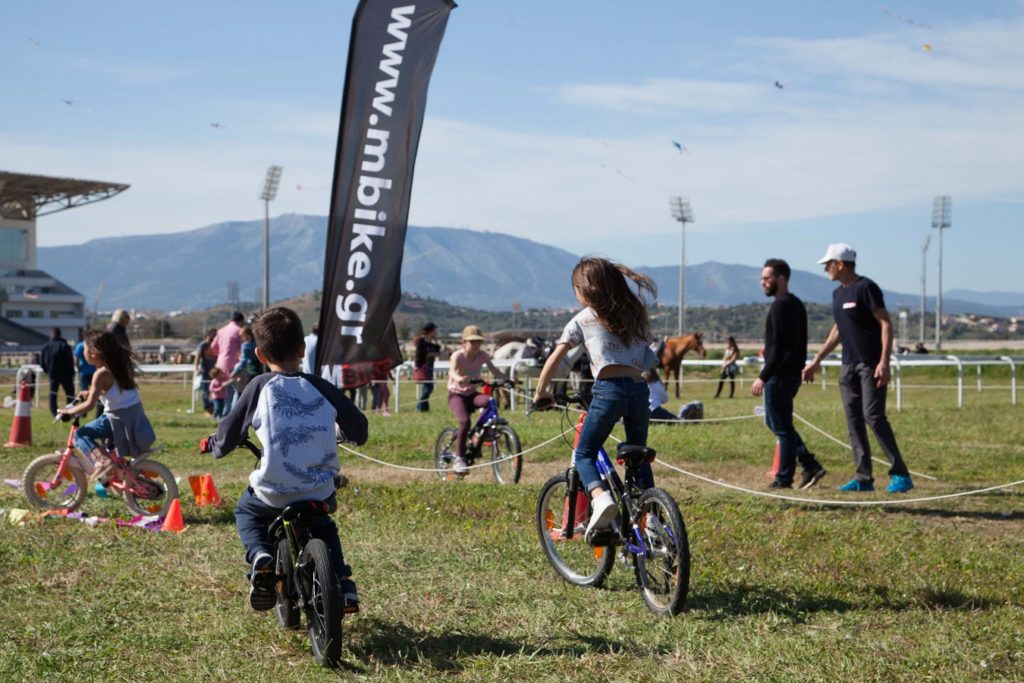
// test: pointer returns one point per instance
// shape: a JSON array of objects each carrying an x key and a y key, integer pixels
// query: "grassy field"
[{"x": 454, "y": 583}]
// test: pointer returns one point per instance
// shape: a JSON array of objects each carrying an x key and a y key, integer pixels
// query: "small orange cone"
[
  {"x": 196, "y": 483},
  {"x": 173, "y": 521},
  {"x": 21, "y": 428},
  {"x": 775, "y": 464},
  {"x": 209, "y": 492}
]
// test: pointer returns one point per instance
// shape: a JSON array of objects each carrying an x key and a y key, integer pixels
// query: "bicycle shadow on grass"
[{"x": 376, "y": 642}]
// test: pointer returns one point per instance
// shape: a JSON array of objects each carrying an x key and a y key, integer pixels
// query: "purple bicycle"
[{"x": 491, "y": 435}]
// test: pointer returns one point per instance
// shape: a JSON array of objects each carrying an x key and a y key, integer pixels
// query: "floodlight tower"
[
  {"x": 942, "y": 219},
  {"x": 924, "y": 280},
  {"x": 682, "y": 212},
  {"x": 269, "y": 193}
]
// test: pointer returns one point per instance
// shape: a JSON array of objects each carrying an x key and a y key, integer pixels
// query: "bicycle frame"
[{"x": 614, "y": 485}]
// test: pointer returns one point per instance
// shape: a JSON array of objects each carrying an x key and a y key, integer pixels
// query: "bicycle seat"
[
  {"x": 305, "y": 509},
  {"x": 634, "y": 454}
]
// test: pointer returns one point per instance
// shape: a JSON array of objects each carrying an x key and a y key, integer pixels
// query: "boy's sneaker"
[
  {"x": 812, "y": 477},
  {"x": 603, "y": 514},
  {"x": 460, "y": 466},
  {"x": 899, "y": 483},
  {"x": 349, "y": 596},
  {"x": 261, "y": 583},
  {"x": 857, "y": 485},
  {"x": 776, "y": 484}
]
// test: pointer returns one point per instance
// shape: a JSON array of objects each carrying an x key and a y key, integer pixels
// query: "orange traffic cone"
[
  {"x": 21, "y": 428},
  {"x": 196, "y": 483},
  {"x": 173, "y": 521},
  {"x": 209, "y": 492},
  {"x": 775, "y": 464}
]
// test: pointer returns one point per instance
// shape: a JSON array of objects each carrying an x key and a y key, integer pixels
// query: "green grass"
[{"x": 454, "y": 583}]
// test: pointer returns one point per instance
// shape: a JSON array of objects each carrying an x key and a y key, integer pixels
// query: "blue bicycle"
[
  {"x": 491, "y": 435},
  {"x": 648, "y": 529}
]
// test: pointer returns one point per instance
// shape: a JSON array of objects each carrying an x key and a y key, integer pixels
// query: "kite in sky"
[
  {"x": 34, "y": 41},
  {"x": 68, "y": 102},
  {"x": 927, "y": 47},
  {"x": 779, "y": 85},
  {"x": 885, "y": 10},
  {"x": 680, "y": 147},
  {"x": 217, "y": 125}
]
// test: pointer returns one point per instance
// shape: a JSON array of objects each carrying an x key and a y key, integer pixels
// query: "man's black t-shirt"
[
  {"x": 853, "y": 308},
  {"x": 785, "y": 338}
]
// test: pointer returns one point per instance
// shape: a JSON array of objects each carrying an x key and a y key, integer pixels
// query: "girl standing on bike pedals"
[
  {"x": 615, "y": 330},
  {"x": 465, "y": 366},
  {"x": 123, "y": 419}
]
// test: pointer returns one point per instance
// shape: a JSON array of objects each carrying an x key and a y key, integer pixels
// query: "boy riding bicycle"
[{"x": 294, "y": 415}]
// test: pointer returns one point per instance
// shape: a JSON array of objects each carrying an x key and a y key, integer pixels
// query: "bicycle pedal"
[{"x": 601, "y": 537}]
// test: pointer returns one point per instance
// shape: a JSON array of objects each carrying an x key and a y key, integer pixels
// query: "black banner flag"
[{"x": 391, "y": 55}]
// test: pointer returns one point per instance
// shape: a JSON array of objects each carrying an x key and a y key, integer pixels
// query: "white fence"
[{"x": 526, "y": 369}]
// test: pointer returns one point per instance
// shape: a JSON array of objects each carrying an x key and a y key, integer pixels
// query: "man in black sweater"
[
  {"x": 58, "y": 363},
  {"x": 785, "y": 351}
]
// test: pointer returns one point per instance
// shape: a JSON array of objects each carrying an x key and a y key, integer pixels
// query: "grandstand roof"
[{"x": 25, "y": 197}]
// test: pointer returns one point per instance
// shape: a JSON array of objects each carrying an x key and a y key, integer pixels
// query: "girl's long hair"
[
  {"x": 604, "y": 287},
  {"x": 119, "y": 360}
]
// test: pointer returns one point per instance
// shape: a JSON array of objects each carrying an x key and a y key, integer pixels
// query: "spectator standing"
[
  {"x": 204, "y": 363},
  {"x": 863, "y": 326},
  {"x": 119, "y": 327},
  {"x": 85, "y": 369},
  {"x": 58, "y": 363},
  {"x": 729, "y": 367},
  {"x": 226, "y": 348},
  {"x": 309, "y": 356},
  {"x": 785, "y": 350},
  {"x": 427, "y": 350}
]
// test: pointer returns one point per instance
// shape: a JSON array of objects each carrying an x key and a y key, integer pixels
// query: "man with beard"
[{"x": 785, "y": 352}]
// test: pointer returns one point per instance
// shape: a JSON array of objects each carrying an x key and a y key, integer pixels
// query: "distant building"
[{"x": 33, "y": 302}]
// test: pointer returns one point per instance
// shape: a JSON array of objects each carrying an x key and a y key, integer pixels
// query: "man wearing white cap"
[{"x": 864, "y": 327}]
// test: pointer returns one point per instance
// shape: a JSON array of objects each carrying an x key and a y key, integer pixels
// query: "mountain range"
[{"x": 191, "y": 270}]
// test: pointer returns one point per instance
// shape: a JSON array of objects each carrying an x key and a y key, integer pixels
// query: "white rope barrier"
[
  {"x": 476, "y": 466},
  {"x": 826, "y": 503}
]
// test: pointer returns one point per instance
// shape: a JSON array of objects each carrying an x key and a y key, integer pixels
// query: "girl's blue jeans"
[
  {"x": 614, "y": 399},
  {"x": 97, "y": 431}
]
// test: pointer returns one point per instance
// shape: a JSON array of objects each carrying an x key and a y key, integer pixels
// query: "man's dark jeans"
[{"x": 779, "y": 393}]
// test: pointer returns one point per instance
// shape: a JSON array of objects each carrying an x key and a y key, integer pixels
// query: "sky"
[{"x": 555, "y": 121}]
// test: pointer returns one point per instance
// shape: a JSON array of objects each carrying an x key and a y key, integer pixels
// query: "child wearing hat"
[{"x": 463, "y": 397}]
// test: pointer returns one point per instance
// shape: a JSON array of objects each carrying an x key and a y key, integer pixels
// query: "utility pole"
[
  {"x": 942, "y": 219},
  {"x": 682, "y": 212}
]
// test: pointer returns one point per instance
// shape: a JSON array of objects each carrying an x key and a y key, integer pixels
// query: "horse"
[{"x": 672, "y": 351}]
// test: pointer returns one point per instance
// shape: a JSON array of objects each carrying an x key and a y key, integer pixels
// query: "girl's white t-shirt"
[{"x": 603, "y": 347}]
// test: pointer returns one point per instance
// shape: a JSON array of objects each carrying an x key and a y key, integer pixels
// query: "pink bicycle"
[{"x": 60, "y": 480}]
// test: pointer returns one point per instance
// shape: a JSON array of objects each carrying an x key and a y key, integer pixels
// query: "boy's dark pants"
[{"x": 252, "y": 516}]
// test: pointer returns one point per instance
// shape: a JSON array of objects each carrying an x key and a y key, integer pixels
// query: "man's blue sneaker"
[
  {"x": 899, "y": 483},
  {"x": 857, "y": 485}
]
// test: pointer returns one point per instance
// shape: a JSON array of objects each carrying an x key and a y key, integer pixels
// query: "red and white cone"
[{"x": 21, "y": 428}]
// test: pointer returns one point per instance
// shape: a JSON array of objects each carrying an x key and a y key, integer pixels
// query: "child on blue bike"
[
  {"x": 616, "y": 331},
  {"x": 294, "y": 415}
]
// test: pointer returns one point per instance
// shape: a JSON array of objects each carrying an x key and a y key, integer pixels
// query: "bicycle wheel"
[
  {"x": 45, "y": 490},
  {"x": 286, "y": 608},
  {"x": 444, "y": 454},
  {"x": 664, "y": 576},
  {"x": 154, "y": 491},
  {"x": 573, "y": 558},
  {"x": 506, "y": 445},
  {"x": 323, "y": 603}
]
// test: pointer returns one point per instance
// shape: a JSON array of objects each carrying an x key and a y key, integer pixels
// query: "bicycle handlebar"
[{"x": 61, "y": 416}]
